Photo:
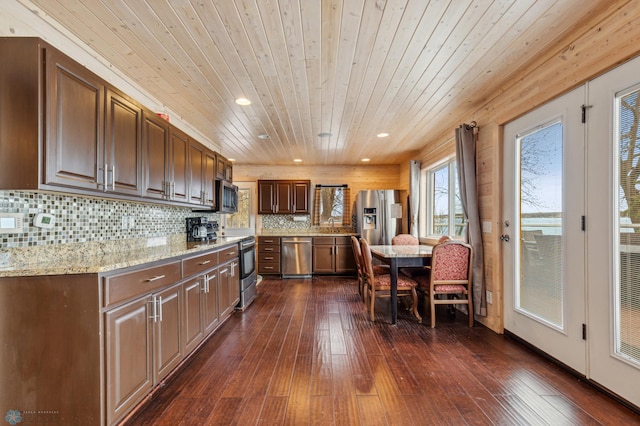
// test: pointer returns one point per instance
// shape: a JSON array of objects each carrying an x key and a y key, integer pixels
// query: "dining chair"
[
  {"x": 362, "y": 273},
  {"x": 357, "y": 255},
  {"x": 377, "y": 286},
  {"x": 407, "y": 240},
  {"x": 404, "y": 240},
  {"x": 449, "y": 278}
]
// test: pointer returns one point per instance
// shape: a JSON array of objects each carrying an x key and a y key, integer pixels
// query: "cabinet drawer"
[
  {"x": 228, "y": 253},
  {"x": 269, "y": 258},
  {"x": 127, "y": 285},
  {"x": 200, "y": 263},
  {"x": 343, "y": 241},
  {"x": 269, "y": 240},
  {"x": 269, "y": 249},
  {"x": 323, "y": 241},
  {"x": 268, "y": 268}
]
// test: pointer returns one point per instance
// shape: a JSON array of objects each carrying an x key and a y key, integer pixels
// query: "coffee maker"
[{"x": 199, "y": 229}]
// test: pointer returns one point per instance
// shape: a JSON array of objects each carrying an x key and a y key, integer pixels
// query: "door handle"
[{"x": 505, "y": 238}]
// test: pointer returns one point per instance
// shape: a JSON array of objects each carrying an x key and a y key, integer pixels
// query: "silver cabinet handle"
[
  {"x": 160, "y": 307},
  {"x": 113, "y": 177},
  {"x": 156, "y": 278},
  {"x": 205, "y": 262},
  {"x": 224, "y": 270},
  {"x": 154, "y": 309},
  {"x": 105, "y": 182},
  {"x": 204, "y": 284}
]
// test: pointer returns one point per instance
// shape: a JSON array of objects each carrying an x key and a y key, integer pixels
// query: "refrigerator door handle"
[{"x": 382, "y": 217}]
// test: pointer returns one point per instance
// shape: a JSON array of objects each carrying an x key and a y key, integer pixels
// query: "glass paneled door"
[
  {"x": 613, "y": 212},
  {"x": 543, "y": 244}
]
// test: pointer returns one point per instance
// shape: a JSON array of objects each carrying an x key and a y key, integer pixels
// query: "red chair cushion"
[
  {"x": 450, "y": 288},
  {"x": 383, "y": 282}
]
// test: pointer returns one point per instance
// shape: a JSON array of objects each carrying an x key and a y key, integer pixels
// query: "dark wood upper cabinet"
[
  {"x": 178, "y": 163},
  {"x": 300, "y": 191},
  {"x": 74, "y": 126},
  {"x": 65, "y": 129},
  {"x": 196, "y": 173},
  {"x": 155, "y": 136},
  {"x": 224, "y": 169},
  {"x": 209, "y": 177},
  {"x": 283, "y": 196},
  {"x": 123, "y": 145}
]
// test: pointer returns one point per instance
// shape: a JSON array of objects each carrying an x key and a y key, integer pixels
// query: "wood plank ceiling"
[{"x": 345, "y": 69}]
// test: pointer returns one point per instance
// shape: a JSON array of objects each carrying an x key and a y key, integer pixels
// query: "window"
[
  {"x": 244, "y": 221},
  {"x": 443, "y": 213},
  {"x": 332, "y": 205}
]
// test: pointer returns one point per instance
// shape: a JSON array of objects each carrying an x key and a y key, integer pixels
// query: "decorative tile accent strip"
[
  {"x": 282, "y": 224},
  {"x": 80, "y": 219}
]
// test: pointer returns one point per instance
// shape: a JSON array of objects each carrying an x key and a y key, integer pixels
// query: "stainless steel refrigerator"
[{"x": 379, "y": 215}]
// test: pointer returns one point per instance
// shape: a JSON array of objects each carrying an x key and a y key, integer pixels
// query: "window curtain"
[
  {"x": 414, "y": 196},
  {"x": 315, "y": 221},
  {"x": 346, "y": 207},
  {"x": 466, "y": 164}
]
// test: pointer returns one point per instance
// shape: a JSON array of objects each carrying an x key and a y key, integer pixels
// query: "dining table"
[{"x": 400, "y": 256}]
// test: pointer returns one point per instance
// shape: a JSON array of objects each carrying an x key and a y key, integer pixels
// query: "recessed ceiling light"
[
  {"x": 325, "y": 135},
  {"x": 231, "y": 159},
  {"x": 297, "y": 160},
  {"x": 243, "y": 101},
  {"x": 264, "y": 136},
  {"x": 365, "y": 160},
  {"x": 382, "y": 135}
]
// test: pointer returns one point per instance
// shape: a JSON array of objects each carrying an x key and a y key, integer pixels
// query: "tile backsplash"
[{"x": 83, "y": 219}]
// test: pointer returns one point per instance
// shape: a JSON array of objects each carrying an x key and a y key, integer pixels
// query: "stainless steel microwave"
[{"x": 226, "y": 196}]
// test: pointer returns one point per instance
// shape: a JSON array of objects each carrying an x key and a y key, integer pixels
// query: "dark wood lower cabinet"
[
  {"x": 333, "y": 255},
  {"x": 128, "y": 361},
  {"x": 88, "y": 348}
]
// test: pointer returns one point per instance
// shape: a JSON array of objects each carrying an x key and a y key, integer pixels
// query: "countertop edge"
[{"x": 108, "y": 263}]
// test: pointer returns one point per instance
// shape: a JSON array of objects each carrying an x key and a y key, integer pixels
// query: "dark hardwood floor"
[{"x": 305, "y": 352}]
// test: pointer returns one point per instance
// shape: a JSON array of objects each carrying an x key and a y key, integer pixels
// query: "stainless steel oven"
[{"x": 248, "y": 276}]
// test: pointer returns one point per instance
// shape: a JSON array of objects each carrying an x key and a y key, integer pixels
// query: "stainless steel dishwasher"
[{"x": 296, "y": 257}]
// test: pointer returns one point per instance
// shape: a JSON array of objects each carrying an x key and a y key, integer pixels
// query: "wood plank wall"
[{"x": 607, "y": 39}]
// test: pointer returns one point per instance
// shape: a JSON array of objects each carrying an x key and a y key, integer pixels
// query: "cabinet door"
[
  {"x": 323, "y": 259},
  {"x": 194, "y": 292},
  {"x": 300, "y": 197},
  {"x": 221, "y": 165},
  {"x": 196, "y": 173},
  {"x": 168, "y": 346},
  {"x": 155, "y": 138},
  {"x": 209, "y": 184},
  {"x": 266, "y": 197},
  {"x": 345, "y": 261},
  {"x": 234, "y": 284},
  {"x": 74, "y": 111},
  {"x": 284, "y": 197},
  {"x": 123, "y": 146},
  {"x": 211, "y": 308},
  {"x": 128, "y": 360},
  {"x": 178, "y": 165}
]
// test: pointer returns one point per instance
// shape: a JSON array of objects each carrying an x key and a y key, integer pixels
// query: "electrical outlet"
[
  {"x": 125, "y": 223},
  {"x": 132, "y": 222},
  {"x": 489, "y": 297}
]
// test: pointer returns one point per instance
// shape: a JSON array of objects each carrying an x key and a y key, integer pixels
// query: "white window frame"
[{"x": 425, "y": 218}]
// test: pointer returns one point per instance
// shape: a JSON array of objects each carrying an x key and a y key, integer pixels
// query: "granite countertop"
[{"x": 97, "y": 257}]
